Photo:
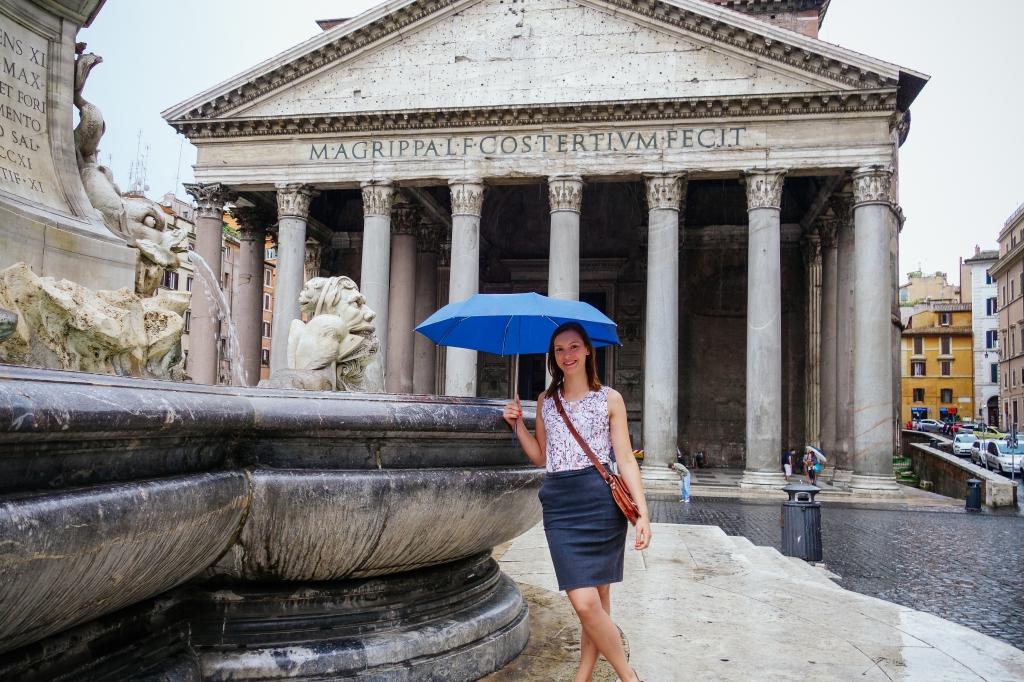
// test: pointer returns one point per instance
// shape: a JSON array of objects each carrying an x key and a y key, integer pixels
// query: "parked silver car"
[
  {"x": 932, "y": 425},
  {"x": 962, "y": 444}
]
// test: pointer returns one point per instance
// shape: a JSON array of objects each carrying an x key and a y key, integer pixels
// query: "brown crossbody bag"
[{"x": 620, "y": 493}]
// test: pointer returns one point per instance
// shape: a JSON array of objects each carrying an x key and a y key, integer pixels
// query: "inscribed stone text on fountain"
[
  {"x": 26, "y": 165},
  {"x": 551, "y": 144}
]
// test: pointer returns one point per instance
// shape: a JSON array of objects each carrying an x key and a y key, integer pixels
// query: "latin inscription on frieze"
[
  {"x": 606, "y": 142},
  {"x": 26, "y": 166}
]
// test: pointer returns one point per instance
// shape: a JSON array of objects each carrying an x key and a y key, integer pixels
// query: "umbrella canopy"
[
  {"x": 817, "y": 452},
  {"x": 513, "y": 324}
]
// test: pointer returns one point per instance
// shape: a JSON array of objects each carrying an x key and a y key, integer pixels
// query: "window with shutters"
[
  {"x": 188, "y": 320},
  {"x": 945, "y": 319},
  {"x": 946, "y": 395},
  {"x": 992, "y": 339},
  {"x": 994, "y": 372},
  {"x": 267, "y": 277},
  {"x": 266, "y": 301},
  {"x": 918, "y": 395},
  {"x": 917, "y": 369},
  {"x": 266, "y": 330},
  {"x": 945, "y": 345},
  {"x": 266, "y": 356},
  {"x": 918, "y": 345},
  {"x": 945, "y": 368}
]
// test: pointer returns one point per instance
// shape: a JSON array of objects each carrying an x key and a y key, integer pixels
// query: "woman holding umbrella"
[{"x": 585, "y": 528}]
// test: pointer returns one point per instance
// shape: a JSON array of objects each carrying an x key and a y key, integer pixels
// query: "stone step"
[{"x": 772, "y": 561}]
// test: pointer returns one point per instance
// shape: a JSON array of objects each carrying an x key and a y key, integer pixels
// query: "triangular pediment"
[{"x": 442, "y": 55}]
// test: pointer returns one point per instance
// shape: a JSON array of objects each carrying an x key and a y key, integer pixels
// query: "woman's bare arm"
[
  {"x": 628, "y": 468},
  {"x": 534, "y": 447}
]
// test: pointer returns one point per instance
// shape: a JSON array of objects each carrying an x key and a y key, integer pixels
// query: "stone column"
[
  {"x": 660, "y": 422},
  {"x": 812, "y": 401},
  {"x": 402, "y": 297},
  {"x": 467, "y": 201},
  {"x": 375, "y": 272},
  {"x": 292, "y": 211},
  {"x": 872, "y": 327},
  {"x": 314, "y": 260},
  {"x": 565, "y": 193},
  {"x": 842, "y": 206},
  {"x": 444, "y": 270},
  {"x": 247, "y": 312},
  {"x": 764, "y": 330},
  {"x": 425, "y": 351},
  {"x": 827, "y": 231},
  {"x": 204, "y": 332}
]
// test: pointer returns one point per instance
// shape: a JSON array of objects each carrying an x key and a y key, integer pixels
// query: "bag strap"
[{"x": 578, "y": 437}]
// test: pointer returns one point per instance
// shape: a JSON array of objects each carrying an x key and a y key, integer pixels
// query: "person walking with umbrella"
[{"x": 585, "y": 528}]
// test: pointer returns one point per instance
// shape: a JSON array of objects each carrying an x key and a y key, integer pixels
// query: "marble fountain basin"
[{"x": 152, "y": 530}]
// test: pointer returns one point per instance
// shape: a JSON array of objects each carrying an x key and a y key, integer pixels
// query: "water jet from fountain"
[{"x": 219, "y": 303}]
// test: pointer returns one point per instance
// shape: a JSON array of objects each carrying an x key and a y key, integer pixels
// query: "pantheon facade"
[{"x": 710, "y": 174}]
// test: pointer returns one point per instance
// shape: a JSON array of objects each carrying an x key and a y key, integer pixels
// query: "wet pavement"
[{"x": 967, "y": 567}]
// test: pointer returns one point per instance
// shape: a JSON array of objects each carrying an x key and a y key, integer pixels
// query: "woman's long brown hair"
[{"x": 557, "y": 375}]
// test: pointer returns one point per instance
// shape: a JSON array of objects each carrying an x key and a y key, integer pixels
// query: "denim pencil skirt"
[{"x": 586, "y": 530}]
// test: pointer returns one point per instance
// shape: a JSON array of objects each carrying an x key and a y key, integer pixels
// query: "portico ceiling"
[{"x": 415, "y": 64}]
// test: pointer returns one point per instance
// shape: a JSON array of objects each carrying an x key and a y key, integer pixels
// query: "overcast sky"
[{"x": 962, "y": 168}]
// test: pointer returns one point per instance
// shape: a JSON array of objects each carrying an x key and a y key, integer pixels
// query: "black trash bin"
[
  {"x": 801, "y": 522},
  {"x": 973, "y": 493}
]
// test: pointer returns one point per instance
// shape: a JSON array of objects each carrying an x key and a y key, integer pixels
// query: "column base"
[
  {"x": 841, "y": 478},
  {"x": 763, "y": 480},
  {"x": 862, "y": 485},
  {"x": 659, "y": 478}
]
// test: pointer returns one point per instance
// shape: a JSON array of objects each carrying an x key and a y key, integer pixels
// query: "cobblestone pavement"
[{"x": 966, "y": 567}]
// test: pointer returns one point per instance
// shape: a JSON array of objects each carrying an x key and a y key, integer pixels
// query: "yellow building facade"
[{"x": 938, "y": 364}]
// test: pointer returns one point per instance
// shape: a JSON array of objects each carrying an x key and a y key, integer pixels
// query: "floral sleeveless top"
[{"x": 590, "y": 417}]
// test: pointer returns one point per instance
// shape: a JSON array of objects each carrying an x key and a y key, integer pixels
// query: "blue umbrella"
[{"x": 513, "y": 324}]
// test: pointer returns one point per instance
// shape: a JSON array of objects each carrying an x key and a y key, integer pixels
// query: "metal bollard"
[
  {"x": 801, "y": 522},
  {"x": 973, "y": 493},
  {"x": 934, "y": 442}
]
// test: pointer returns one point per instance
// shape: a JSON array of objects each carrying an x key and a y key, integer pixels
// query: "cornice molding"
[
  {"x": 751, "y": 36},
  {"x": 610, "y": 111}
]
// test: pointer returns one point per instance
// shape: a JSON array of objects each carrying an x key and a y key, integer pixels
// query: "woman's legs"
[{"x": 593, "y": 606}]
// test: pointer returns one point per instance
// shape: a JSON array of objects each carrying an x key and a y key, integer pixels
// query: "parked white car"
[
  {"x": 1003, "y": 458},
  {"x": 962, "y": 444}
]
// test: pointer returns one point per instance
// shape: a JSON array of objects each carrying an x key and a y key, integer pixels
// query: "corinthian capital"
[
  {"x": 842, "y": 207},
  {"x": 293, "y": 199},
  {"x": 828, "y": 228},
  {"x": 872, "y": 184},
  {"x": 377, "y": 197},
  {"x": 211, "y": 197},
  {"x": 666, "y": 190},
  {"x": 764, "y": 188},
  {"x": 253, "y": 221},
  {"x": 565, "y": 192},
  {"x": 429, "y": 236},
  {"x": 813, "y": 242},
  {"x": 405, "y": 218},
  {"x": 467, "y": 196}
]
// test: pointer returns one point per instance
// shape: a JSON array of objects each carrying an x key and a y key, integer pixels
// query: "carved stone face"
[{"x": 343, "y": 300}]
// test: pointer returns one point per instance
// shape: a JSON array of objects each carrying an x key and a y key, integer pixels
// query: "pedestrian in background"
[
  {"x": 788, "y": 461},
  {"x": 684, "y": 479},
  {"x": 810, "y": 466}
]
